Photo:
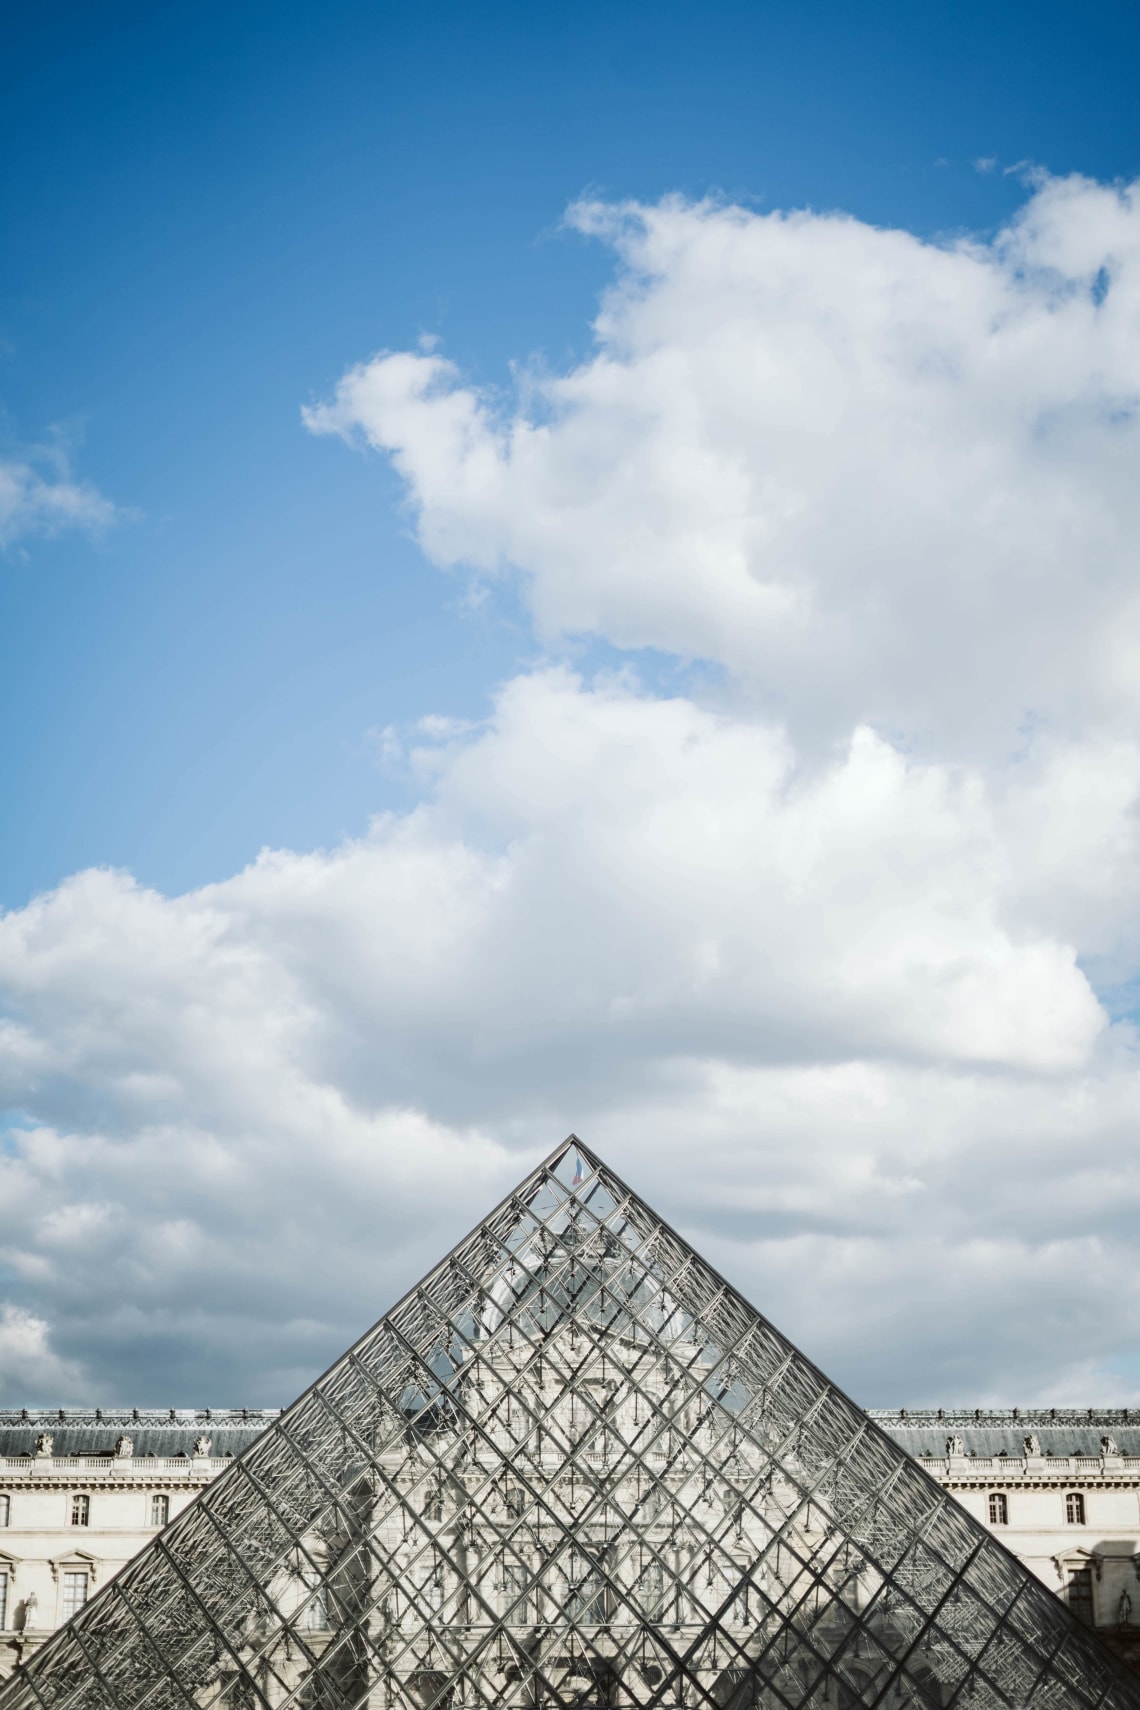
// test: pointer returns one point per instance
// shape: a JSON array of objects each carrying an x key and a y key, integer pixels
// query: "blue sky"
[
  {"x": 216, "y": 209},
  {"x": 506, "y": 632}
]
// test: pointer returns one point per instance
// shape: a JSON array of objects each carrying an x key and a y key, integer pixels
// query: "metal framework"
[{"x": 573, "y": 1467}]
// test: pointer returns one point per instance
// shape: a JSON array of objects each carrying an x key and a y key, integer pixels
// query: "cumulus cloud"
[
  {"x": 822, "y": 1017},
  {"x": 28, "y": 1363},
  {"x": 833, "y": 958},
  {"x": 879, "y": 479},
  {"x": 39, "y": 495}
]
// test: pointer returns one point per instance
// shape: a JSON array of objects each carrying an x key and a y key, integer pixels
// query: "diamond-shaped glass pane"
[{"x": 573, "y": 1468}]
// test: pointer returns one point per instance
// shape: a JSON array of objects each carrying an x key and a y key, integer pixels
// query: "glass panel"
[{"x": 572, "y": 1469}]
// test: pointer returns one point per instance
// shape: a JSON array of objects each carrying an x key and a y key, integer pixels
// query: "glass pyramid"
[{"x": 572, "y": 1468}]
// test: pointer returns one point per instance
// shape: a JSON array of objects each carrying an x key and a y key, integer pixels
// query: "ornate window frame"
[
  {"x": 72, "y": 1561},
  {"x": 1078, "y": 1557}
]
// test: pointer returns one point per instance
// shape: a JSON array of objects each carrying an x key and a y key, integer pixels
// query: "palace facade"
[{"x": 82, "y": 1490}]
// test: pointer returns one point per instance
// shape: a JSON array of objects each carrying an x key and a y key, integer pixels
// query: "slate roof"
[
  {"x": 997, "y": 1431},
  {"x": 153, "y": 1431},
  {"x": 172, "y": 1431}
]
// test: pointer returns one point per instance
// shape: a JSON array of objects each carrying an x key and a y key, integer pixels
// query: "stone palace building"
[
  {"x": 572, "y": 1468},
  {"x": 82, "y": 1490}
]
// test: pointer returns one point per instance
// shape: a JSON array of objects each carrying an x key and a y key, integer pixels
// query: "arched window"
[
  {"x": 1074, "y": 1508},
  {"x": 999, "y": 1508},
  {"x": 159, "y": 1510},
  {"x": 81, "y": 1511},
  {"x": 5, "y": 1510}
]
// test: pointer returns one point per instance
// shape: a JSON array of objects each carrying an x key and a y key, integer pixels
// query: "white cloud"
[
  {"x": 28, "y": 1364},
  {"x": 825, "y": 1019},
  {"x": 39, "y": 495},
  {"x": 880, "y": 479},
  {"x": 822, "y": 960}
]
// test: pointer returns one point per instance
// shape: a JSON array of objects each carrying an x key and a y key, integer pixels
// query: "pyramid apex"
[{"x": 572, "y": 1145}]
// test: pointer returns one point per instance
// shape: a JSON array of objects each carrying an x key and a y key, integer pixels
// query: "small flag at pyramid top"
[{"x": 573, "y": 1467}]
